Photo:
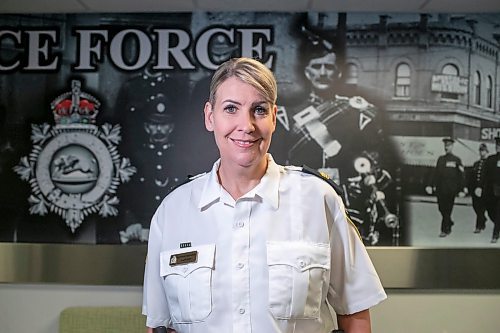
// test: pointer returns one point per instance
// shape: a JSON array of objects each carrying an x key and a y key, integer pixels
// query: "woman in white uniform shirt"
[{"x": 253, "y": 246}]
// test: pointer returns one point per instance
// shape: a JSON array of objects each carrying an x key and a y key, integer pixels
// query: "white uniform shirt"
[{"x": 267, "y": 262}]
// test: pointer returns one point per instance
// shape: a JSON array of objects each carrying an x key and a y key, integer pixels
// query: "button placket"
[{"x": 240, "y": 276}]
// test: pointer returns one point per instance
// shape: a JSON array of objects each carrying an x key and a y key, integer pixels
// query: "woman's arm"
[{"x": 358, "y": 322}]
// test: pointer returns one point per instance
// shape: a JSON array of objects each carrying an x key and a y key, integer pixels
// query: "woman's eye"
[
  {"x": 259, "y": 110},
  {"x": 230, "y": 109}
]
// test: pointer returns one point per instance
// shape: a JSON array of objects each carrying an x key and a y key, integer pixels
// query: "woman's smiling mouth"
[{"x": 244, "y": 143}]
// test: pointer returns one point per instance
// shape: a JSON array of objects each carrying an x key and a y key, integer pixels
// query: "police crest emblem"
[{"x": 74, "y": 167}]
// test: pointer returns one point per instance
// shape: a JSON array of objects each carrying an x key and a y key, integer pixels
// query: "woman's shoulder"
[
  {"x": 313, "y": 179},
  {"x": 186, "y": 185}
]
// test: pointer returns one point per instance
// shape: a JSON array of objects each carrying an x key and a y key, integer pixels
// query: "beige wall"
[{"x": 36, "y": 308}]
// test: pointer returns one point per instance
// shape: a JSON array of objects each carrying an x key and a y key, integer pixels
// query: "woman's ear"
[
  {"x": 209, "y": 117},
  {"x": 274, "y": 113}
]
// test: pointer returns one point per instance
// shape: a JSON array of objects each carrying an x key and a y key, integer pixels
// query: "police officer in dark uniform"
[
  {"x": 447, "y": 183},
  {"x": 476, "y": 188},
  {"x": 492, "y": 189},
  {"x": 149, "y": 107},
  {"x": 329, "y": 131}
]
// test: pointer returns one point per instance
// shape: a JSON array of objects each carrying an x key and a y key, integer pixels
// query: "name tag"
[
  {"x": 451, "y": 164},
  {"x": 498, "y": 163},
  {"x": 183, "y": 258}
]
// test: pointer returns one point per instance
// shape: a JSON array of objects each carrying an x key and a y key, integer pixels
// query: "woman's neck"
[{"x": 240, "y": 180}]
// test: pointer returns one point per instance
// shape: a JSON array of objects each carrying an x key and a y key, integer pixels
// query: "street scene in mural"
[{"x": 101, "y": 115}]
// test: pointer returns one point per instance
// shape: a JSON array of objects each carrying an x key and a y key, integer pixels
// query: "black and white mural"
[{"x": 101, "y": 115}]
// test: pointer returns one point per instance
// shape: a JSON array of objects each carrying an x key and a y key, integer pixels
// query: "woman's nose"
[{"x": 246, "y": 122}]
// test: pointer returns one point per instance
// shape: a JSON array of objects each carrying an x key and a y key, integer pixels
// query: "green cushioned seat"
[{"x": 108, "y": 319}]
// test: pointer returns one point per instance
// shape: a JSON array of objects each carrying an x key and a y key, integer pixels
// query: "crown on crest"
[{"x": 75, "y": 107}]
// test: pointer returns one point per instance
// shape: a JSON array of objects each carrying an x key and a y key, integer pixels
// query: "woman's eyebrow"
[
  {"x": 231, "y": 101},
  {"x": 239, "y": 103},
  {"x": 259, "y": 103}
]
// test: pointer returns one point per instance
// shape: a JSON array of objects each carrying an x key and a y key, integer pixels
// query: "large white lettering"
[
  {"x": 90, "y": 47},
  {"x": 201, "y": 50},
  {"x": 37, "y": 46},
  {"x": 40, "y": 50},
  {"x": 165, "y": 49},
  {"x": 117, "y": 48},
  {"x": 178, "y": 51}
]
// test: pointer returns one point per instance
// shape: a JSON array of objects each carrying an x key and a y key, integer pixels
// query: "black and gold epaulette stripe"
[
  {"x": 184, "y": 182},
  {"x": 325, "y": 177}
]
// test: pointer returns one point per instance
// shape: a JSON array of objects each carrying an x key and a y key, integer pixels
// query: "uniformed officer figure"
[
  {"x": 254, "y": 246},
  {"x": 447, "y": 182},
  {"x": 148, "y": 107},
  {"x": 492, "y": 189},
  {"x": 330, "y": 131},
  {"x": 476, "y": 187}
]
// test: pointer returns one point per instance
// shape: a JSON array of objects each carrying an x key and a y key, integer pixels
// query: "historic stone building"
[{"x": 437, "y": 76}]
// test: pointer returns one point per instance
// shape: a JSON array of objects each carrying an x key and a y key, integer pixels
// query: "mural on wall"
[{"x": 370, "y": 100}]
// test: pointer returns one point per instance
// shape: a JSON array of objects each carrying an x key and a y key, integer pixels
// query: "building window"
[
  {"x": 352, "y": 74},
  {"x": 402, "y": 80},
  {"x": 450, "y": 69},
  {"x": 489, "y": 92},
  {"x": 477, "y": 88}
]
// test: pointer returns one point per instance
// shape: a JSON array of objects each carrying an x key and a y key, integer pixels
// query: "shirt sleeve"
[
  {"x": 354, "y": 283},
  {"x": 154, "y": 304}
]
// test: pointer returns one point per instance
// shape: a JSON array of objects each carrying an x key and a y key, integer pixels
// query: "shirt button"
[
  {"x": 239, "y": 224},
  {"x": 240, "y": 265},
  {"x": 302, "y": 264},
  {"x": 242, "y": 311}
]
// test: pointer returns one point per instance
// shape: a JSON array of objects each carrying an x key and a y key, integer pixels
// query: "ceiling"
[{"x": 101, "y": 6}]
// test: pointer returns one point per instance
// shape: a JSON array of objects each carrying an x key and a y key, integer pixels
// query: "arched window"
[
  {"x": 489, "y": 92},
  {"x": 452, "y": 70},
  {"x": 403, "y": 79},
  {"x": 477, "y": 88},
  {"x": 352, "y": 74}
]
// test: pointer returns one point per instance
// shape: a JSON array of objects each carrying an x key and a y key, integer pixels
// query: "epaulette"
[
  {"x": 185, "y": 181},
  {"x": 325, "y": 177}
]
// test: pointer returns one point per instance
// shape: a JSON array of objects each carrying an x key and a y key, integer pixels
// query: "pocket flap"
[
  {"x": 301, "y": 255},
  {"x": 190, "y": 259}
]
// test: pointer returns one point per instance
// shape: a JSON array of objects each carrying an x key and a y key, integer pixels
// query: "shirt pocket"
[
  {"x": 188, "y": 286},
  {"x": 298, "y": 277}
]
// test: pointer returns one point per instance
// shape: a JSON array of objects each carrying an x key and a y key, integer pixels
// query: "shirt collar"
[
  {"x": 212, "y": 189},
  {"x": 267, "y": 189}
]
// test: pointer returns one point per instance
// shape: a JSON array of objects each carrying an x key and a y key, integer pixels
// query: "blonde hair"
[{"x": 249, "y": 71}]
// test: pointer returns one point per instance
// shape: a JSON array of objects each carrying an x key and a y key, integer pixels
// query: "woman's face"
[{"x": 242, "y": 122}]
